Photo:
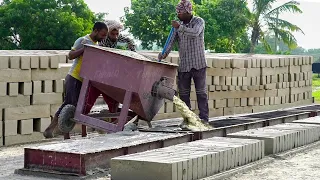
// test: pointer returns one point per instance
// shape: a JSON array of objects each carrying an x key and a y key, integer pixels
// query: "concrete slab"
[
  {"x": 276, "y": 140},
  {"x": 192, "y": 160},
  {"x": 312, "y": 120},
  {"x": 308, "y": 133}
]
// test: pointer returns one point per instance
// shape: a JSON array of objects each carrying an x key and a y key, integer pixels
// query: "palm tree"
[{"x": 264, "y": 19}]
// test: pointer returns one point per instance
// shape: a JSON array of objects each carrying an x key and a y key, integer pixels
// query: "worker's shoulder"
[
  {"x": 197, "y": 19},
  {"x": 84, "y": 39}
]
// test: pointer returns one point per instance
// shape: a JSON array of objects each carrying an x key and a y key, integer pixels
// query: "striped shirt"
[
  {"x": 121, "y": 39},
  {"x": 190, "y": 38}
]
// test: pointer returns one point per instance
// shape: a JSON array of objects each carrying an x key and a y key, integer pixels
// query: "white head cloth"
[{"x": 112, "y": 24}]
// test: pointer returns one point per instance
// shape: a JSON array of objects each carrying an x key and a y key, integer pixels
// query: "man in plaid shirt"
[
  {"x": 189, "y": 33},
  {"x": 114, "y": 37}
]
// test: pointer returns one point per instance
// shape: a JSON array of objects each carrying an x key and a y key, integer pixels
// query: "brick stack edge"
[{"x": 32, "y": 86}]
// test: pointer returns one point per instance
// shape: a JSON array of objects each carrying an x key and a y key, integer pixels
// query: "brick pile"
[
  {"x": 31, "y": 85},
  {"x": 238, "y": 83}
]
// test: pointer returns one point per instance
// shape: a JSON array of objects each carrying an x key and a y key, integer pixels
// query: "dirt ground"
[{"x": 301, "y": 166}]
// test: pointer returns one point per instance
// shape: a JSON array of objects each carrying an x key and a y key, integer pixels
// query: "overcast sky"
[{"x": 308, "y": 21}]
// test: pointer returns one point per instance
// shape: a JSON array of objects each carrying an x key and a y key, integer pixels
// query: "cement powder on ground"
[{"x": 191, "y": 120}]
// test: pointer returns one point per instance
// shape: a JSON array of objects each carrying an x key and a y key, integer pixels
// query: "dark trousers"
[{"x": 184, "y": 86}]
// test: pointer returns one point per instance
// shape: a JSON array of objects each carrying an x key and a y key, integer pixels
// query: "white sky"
[{"x": 308, "y": 21}]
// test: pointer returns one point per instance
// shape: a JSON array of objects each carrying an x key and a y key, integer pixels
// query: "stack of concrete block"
[
  {"x": 31, "y": 82},
  {"x": 238, "y": 83},
  {"x": 282, "y": 137},
  {"x": 193, "y": 160}
]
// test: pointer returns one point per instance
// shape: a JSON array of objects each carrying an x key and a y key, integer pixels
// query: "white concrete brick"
[
  {"x": 239, "y": 72},
  {"x": 36, "y": 87},
  {"x": 25, "y": 62},
  {"x": 228, "y": 81},
  {"x": 62, "y": 58},
  {"x": 216, "y": 80},
  {"x": 253, "y": 63},
  {"x": 54, "y": 62},
  {"x": 253, "y": 72},
  {"x": 275, "y": 140},
  {"x": 47, "y": 86},
  {"x": 308, "y": 133},
  {"x": 193, "y": 160},
  {"x": 10, "y": 128},
  {"x": 13, "y": 89},
  {"x": 222, "y": 80},
  {"x": 237, "y": 63},
  {"x": 25, "y": 126},
  {"x": 26, "y": 112},
  {"x": 247, "y": 63},
  {"x": 14, "y": 62},
  {"x": 15, "y": 75},
  {"x": 44, "y": 62},
  {"x": 14, "y": 101},
  {"x": 240, "y": 81},
  {"x": 1, "y": 129},
  {"x": 58, "y": 86},
  {"x": 219, "y": 72},
  {"x": 18, "y": 139},
  {"x": 230, "y": 102},
  {"x": 40, "y": 124},
  {"x": 25, "y": 88},
  {"x": 275, "y": 62},
  {"x": 35, "y": 62},
  {"x": 228, "y": 63},
  {"x": 3, "y": 88},
  {"x": 234, "y": 81},
  {"x": 4, "y": 63}
]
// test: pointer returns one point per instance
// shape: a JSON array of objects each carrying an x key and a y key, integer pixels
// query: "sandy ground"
[{"x": 301, "y": 166}]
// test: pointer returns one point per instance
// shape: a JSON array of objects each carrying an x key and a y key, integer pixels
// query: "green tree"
[
  {"x": 100, "y": 16},
  {"x": 225, "y": 22},
  {"x": 39, "y": 24},
  {"x": 264, "y": 15},
  {"x": 150, "y": 20}
]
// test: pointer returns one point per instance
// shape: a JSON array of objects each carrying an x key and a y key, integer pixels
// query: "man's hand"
[
  {"x": 160, "y": 56},
  {"x": 175, "y": 24}
]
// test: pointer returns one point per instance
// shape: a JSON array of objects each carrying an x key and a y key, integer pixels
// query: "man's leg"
[
  {"x": 73, "y": 87},
  {"x": 92, "y": 95},
  {"x": 199, "y": 78},
  {"x": 184, "y": 87},
  {"x": 113, "y": 105}
]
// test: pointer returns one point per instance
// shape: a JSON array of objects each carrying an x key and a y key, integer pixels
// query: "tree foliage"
[
  {"x": 225, "y": 22},
  {"x": 149, "y": 20},
  {"x": 263, "y": 14},
  {"x": 43, "y": 24}
]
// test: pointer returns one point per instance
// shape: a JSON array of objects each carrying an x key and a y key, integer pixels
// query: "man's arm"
[
  {"x": 194, "y": 31},
  {"x": 130, "y": 43},
  {"x": 75, "y": 53},
  {"x": 77, "y": 49}
]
